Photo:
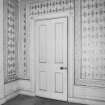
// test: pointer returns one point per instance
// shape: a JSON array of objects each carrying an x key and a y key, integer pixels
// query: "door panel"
[
  {"x": 43, "y": 81},
  {"x": 42, "y": 43},
  {"x": 58, "y": 42},
  {"x": 58, "y": 82},
  {"x": 51, "y": 37}
]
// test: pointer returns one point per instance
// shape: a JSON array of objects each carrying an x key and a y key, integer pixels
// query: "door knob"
[{"x": 62, "y": 68}]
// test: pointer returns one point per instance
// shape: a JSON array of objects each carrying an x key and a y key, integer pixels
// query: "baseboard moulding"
[{"x": 86, "y": 101}]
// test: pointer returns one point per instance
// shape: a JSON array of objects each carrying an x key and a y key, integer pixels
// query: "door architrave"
[{"x": 70, "y": 46}]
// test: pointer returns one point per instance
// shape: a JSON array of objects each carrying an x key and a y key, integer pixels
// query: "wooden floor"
[{"x": 27, "y": 100}]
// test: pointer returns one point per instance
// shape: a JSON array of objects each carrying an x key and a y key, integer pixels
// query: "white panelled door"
[{"x": 51, "y": 40}]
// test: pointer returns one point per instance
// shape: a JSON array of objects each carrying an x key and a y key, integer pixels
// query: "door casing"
[{"x": 70, "y": 46}]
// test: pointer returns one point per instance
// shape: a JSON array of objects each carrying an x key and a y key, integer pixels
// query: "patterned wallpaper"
[
  {"x": 25, "y": 40},
  {"x": 24, "y": 58},
  {"x": 93, "y": 39},
  {"x": 92, "y": 27},
  {"x": 17, "y": 56},
  {"x": 11, "y": 40},
  {"x": 50, "y": 6},
  {"x": 92, "y": 23}
]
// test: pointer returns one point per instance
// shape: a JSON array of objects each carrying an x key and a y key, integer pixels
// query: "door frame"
[{"x": 70, "y": 46}]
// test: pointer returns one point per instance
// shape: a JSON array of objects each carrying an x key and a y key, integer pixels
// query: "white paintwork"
[
  {"x": 8, "y": 97},
  {"x": 11, "y": 88},
  {"x": 86, "y": 92},
  {"x": 26, "y": 92},
  {"x": 86, "y": 101},
  {"x": 51, "y": 38},
  {"x": 1, "y": 51}
]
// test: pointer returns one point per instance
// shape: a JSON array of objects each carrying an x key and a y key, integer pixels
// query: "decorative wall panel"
[
  {"x": 49, "y": 6},
  {"x": 92, "y": 34},
  {"x": 25, "y": 39},
  {"x": 11, "y": 40},
  {"x": 23, "y": 42}
]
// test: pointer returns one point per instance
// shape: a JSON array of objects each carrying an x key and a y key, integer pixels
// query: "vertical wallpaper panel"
[
  {"x": 1, "y": 51},
  {"x": 11, "y": 40},
  {"x": 92, "y": 32},
  {"x": 23, "y": 42}
]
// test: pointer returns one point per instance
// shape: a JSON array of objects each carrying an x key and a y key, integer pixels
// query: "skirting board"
[
  {"x": 86, "y": 101},
  {"x": 31, "y": 93},
  {"x": 26, "y": 92},
  {"x": 14, "y": 94},
  {"x": 10, "y": 96}
]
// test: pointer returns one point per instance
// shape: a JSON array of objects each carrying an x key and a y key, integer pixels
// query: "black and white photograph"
[{"x": 52, "y": 52}]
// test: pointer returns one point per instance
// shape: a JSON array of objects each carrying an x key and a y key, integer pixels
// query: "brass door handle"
[{"x": 63, "y": 68}]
